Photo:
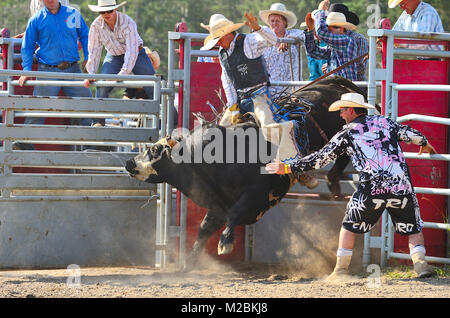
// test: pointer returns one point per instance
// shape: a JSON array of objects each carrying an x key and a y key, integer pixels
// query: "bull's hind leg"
[
  {"x": 210, "y": 224},
  {"x": 244, "y": 211}
]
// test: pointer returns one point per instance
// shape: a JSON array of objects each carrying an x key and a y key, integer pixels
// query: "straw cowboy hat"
[
  {"x": 280, "y": 9},
  {"x": 394, "y": 3},
  {"x": 154, "y": 57},
  {"x": 338, "y": 19},
  {"x": 219, "y": 26},
  {"x": 350, "y": 100},
  {"x": 105, "y": 5}
]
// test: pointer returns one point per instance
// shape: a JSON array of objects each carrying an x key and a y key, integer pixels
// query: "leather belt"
[{"x": 62, "y": 65}]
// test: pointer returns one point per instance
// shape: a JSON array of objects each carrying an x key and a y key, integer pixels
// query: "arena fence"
[
  {"x": 105, "y": 217},
  {"x": 385, "y": 242}
]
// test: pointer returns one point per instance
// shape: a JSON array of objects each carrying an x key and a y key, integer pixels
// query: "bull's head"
[{"x": 142, "y": 167}]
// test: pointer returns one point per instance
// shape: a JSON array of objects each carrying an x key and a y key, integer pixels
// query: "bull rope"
[{"x": 323, "y": 76}]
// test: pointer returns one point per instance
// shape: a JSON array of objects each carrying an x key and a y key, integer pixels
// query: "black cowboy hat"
[{"x": 342, "y": 8}]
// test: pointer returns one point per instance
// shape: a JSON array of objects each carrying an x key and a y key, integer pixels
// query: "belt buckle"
[{"x": 63, "y": 65}]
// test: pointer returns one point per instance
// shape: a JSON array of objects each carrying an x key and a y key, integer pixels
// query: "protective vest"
[{"x": 242, "y": 71}]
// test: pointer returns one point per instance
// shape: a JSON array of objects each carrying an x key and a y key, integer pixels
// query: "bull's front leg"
[{"x": 212, "y": 222}]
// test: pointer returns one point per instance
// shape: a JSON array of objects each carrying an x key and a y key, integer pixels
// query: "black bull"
[{"x": 237, "y": 193}]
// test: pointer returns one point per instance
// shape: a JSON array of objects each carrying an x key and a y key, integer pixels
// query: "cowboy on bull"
[{"x": 245, "y": 81}]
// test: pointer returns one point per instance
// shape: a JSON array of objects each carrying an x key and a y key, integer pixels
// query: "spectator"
[
  {"x": 361, "y": 41},
  {"x": 117, "y": 32},
  {"x": 284, "y": 61},
  {"x": 139, "y": 92},
  {"x": 57, "y": 52},
  {"x": 334, "y": 31},
  {"x": 37, "y": 5},
  {"x": 417, "y": 16}
]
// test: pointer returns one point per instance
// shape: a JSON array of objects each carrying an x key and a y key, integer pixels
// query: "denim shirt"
[{"x": 57, "y": 37}]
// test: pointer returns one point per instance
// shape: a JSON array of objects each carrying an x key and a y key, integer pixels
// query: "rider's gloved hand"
[{"x": 235, "y": 114}]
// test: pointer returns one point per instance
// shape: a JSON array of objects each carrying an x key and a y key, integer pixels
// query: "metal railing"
[
  {"x": 93, "y": 176},
  {"x": 385, "y": 242}
]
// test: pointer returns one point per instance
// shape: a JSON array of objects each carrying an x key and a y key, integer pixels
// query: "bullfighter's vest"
[{"x": 242, "y": 71}]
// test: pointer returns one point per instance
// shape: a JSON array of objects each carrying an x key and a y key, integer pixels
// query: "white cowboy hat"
[
  {"x": 338, "y": 19},
  {"x": 105, "y": 5},
  {"x": 394, "y": 3},
  {"x": 154, "y": 57},
  {"x": 219, "y": 26},
  {"x": 279, "y": 8},
  {"x": 350, "y": 100}
]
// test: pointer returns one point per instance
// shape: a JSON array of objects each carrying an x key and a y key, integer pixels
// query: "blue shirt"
[{"x": 57, "y": 37}]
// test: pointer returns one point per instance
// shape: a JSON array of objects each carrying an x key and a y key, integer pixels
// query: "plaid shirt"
[
  {"x": 363, "y": 48},
  {"x": 341, "y": 48},
  {"x": 424, "y": 19}
]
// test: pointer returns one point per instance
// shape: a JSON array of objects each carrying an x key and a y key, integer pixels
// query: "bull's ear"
[{"x": 171, "y": 142}]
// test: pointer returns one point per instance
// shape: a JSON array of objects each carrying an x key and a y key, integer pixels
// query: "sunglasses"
[{"x": 109, "y": 12}]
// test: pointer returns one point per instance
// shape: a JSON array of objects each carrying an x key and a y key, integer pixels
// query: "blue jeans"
[
  {"x": 54, "y": 90},
  {"x": 113, "y": 64}
]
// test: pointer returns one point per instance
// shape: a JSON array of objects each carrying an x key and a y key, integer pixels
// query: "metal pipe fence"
[{"x": 385, "y": 242}]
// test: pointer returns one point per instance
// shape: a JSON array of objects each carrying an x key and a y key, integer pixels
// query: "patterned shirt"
[
  {"x": 372, "y": 142},
  {"x": 424, "y": 19},
  {"x": 341, "y": 48},
  {"x": 279, "y": 63},
  {"x": 36, "y": 5},
  {"x": 254, "y": 46},
  {"x": 123, "y": 40}
]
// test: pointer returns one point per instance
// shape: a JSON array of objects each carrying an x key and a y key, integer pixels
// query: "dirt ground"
[{"x": 215, "y": 281}]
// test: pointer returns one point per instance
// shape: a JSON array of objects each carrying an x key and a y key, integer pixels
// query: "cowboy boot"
[
  {"x": 341, "y": 269},
  {"x": 308, "y": 180},
  {"x": 421, "y": 267}
]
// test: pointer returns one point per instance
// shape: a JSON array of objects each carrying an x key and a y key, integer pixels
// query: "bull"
[{"x": 236, "y": 192}]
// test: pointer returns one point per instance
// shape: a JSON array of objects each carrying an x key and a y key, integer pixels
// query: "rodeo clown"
[
  {"x": 372, "y": 141},
  {"x": 245, "y": 81}
]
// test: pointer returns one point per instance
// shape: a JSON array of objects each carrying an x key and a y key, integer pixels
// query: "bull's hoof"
[
  {"x": 186, "y": 268},
  {"x": 223, "y": 249}
]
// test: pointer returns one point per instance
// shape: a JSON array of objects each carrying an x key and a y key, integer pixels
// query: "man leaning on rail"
[
  {"x": 117, "y": 32},
  {"x": 373, "y": 143},
  {"x": 56, "y": 29},
  {"x": 418, "y": 16}
]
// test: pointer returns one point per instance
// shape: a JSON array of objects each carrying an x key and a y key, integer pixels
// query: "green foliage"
[{"x": 156, "y": 17}]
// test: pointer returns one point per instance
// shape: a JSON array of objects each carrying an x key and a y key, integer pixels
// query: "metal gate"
[
  {"x": 385, "y": 242},
  {"x": 91, "y": 213}
]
